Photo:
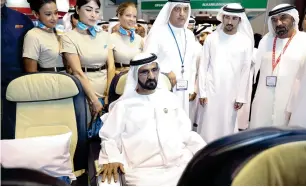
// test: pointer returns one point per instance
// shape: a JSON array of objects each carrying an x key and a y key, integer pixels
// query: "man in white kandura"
[
  {"x": 147, "y": 132},
  {"x": 191, "y": 23},
  {"x": 195, "y": 110},
  {"x": 224, "y": 72},
  {"x": 280, "y": 54},
  {"x": 144, "y": 24},
  {"x": 112, "y": 23},
  {"x": 174, "y": 44}
]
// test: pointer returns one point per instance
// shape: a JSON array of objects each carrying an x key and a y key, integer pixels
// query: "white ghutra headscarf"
[
  {"x": 144, "y": 24},
  {"x": 283, "y": 9},
  {"x": 164, "y": 14},
  {"x": 112, "y": 22},
  {"x": 136, "y": 63},
  {"x": 235, "y": 9},
  {"x": 206, "y": 27}
]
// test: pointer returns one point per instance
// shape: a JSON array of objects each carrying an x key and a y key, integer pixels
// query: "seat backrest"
[
  {"x": 119, "y": 81},
  {"x": 283, "y": 165},
  {"x": 217, "y": 163},
  {"x": 50, "y": 104}
]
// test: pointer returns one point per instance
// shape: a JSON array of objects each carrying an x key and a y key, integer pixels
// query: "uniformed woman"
[
  {"x": 125, "y": 43},
  {"x": 41, "y": 48},
  {"x": 85, "y": 49}
]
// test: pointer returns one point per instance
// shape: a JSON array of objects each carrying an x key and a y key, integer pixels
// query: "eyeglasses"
[{"x": 146, "y": 72}]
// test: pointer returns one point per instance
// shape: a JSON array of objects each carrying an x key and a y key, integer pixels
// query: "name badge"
[
  {"x": 271, "y": 81},
  {"x": 182, "y": 85},
  {"x": 18, "y": 26}
]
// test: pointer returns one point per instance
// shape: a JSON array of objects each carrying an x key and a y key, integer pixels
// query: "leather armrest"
[
  {"x": 93, "y": 165},
  {"x": 94, "y": 150}
]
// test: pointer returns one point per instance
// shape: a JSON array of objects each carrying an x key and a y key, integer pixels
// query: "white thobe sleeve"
[
  {"x": 191, "y": 139},
  {"x": 296, "y": 88},
  {"x": 203, "y": 68},
  {"x": 111, "y": 150},
  {"x": 242, "y": 96}
]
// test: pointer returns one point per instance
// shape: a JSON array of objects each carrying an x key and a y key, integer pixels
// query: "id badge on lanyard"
[
  {"x": 271, "y": 81},
  {"x": 181, "y": 85}
]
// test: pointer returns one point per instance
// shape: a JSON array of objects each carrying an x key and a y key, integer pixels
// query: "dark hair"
[
  {"x": 121, "y": 8},
  {"x": 81, "y": 3},
  {"x": 75, "y": 16},
  {"x": 37, "y": 4}
]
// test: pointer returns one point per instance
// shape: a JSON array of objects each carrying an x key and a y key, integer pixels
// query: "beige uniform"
[
  {"x": 44, "y": 47},
  {"x": 92, "y": 52},
  {"x": 124, "y": 50}
]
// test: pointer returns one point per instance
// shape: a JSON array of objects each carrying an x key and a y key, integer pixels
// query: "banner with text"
[{"x": 148, "y": 5}]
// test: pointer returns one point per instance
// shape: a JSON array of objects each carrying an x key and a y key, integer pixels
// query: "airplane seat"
[
  {"x": 114, "y": 91},
  {"x": 220, "y": 162},
  {"x": 282, "y": 165},
  {"x": 94, "y": 167},
  {"x": 48, "y": 104}
]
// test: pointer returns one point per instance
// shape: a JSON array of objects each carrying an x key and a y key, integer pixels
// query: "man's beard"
[
  {"x": 229, "y": 27},
  {"x": 150, "y": 84},
  {"x": 281, "y": 30}
]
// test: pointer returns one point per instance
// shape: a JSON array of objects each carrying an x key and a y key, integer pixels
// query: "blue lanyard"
[{"x": 178, "y": 48}]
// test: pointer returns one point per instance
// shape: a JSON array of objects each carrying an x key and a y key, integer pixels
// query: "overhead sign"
[{"x": 148, "y": 5}]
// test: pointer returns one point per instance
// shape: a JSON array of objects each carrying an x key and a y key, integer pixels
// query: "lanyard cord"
[
  {"x": 178, "y": 48},
  {"x": 274, "y": 63}
]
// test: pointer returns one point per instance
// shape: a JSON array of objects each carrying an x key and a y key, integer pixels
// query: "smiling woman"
[
  {"x": 125, "y": 43},
  {"x": 41, "y": 44}
]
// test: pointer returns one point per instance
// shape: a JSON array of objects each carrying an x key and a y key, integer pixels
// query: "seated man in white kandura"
[{"x": 146, "y": 131}]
